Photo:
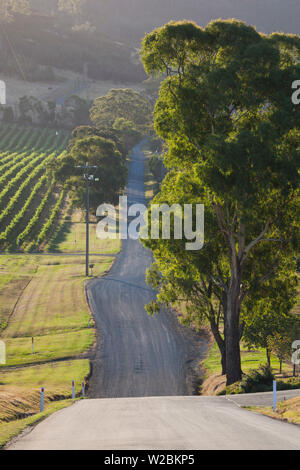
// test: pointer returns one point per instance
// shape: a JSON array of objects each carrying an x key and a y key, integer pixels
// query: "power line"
[{"x": 13, "y": 52}]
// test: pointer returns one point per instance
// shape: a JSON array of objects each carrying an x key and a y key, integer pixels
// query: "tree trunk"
[
  {"x": 223, "y": 360},
  {"x": 232, "y": 339},
  {"x": 233, "y": 355},
  {"x": 268, "y": 357},
  {"x": 280, "y": 370},
  {"x": 221, "y": 344}
]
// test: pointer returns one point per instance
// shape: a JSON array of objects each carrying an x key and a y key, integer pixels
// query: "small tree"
[
  {"x": 122, "y": 103},
  {"x": 280, "y": 345},
  {"x": 266, "y": 312},
  {"x": 111, "y": 170}
]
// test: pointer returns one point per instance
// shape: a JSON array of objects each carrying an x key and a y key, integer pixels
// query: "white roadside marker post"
[
  {"x": 274, "y": 396},
  {"x": 42, "y": 399},
  {"x": 73, "y": 389},
  {"x": 83, "y": 390}
]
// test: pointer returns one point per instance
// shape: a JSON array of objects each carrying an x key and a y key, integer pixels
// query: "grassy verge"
[
  {"x": 70, "y": 237},
  {"x": 20, "y": 388},
  {"x": 250, "y": 360},
  {"x": 151, "y": 186},
  {"x": 215, "y": 383},
  {"x": 42, "y": 297},
  {"x": 288, "y": 410},
  {"x": 10, "y": 430}
]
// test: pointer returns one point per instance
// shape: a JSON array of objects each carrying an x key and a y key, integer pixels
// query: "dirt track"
[{"x": 138, "y": 355}]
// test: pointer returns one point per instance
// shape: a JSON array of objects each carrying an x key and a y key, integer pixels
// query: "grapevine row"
[
  {"x": 47, "y": 226},
  {"x": 15, "y": 180},
  {"x": 19, "y": 216},
  {"x": 34, "y": 220}
]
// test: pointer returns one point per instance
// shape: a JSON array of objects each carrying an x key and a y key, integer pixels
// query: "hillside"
[
  {"x": 33, "y": 46},
  {"x": 130, "y": 19}
]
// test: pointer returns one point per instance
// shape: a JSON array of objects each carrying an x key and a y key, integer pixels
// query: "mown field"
[{"x": 42, "y": 296}]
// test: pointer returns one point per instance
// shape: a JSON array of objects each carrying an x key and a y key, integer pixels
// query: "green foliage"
[
  {"x": 50, "y": 222},
  {"x": 122, "y": 103},
  {"x": 293, "y": 383},
  {"x": 127, "y": 133},
  {"x": 156, "y": 167},
  {"x": 25, "y": 189},
  {"x": 280, "y": 344},
  {"x": 267, "y": 313},
  {"x": 97, "y": 151},
  {"x": 232, "y": 131},
  {"x": 258, "y": 380}
]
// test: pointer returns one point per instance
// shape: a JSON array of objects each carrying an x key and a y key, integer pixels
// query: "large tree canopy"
[
  {"x": 226, "y": 114},
  {"x": 98, "y": 151},
  {"x": 122, "y": 103}
]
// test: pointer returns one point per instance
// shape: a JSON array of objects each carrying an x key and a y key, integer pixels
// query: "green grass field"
[
  {"x": 250, "y": 360},
  {"x": 42, "y": 296},
  {"x": 71, "y": 237},
  {"x": 51, "y": 308},
  {"x": 11, "y": 429}
]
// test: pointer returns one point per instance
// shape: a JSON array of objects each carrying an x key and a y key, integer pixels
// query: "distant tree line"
[
  {"x": 104, "y": 144},
  {"x": 32, "y": 111}
]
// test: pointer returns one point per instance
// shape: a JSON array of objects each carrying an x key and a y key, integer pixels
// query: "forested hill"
[
  {"x": 130, "y": 19},
  {"x": 104, "y": 34}
]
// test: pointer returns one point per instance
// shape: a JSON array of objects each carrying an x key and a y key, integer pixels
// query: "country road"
[
  {"x": 159, "y": 423},
  {"x": 138, "y": 355},
  {"x": 141, "y": 382}
]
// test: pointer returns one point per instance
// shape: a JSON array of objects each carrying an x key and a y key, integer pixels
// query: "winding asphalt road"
[
  {"x": 139, "y": 365},
  {"x": 138, "y": 355}
]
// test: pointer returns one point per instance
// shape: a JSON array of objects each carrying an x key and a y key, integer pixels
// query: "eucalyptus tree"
[{"x": 232, "y": 131}]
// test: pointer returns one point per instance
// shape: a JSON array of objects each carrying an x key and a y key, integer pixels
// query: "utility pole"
[
  {"x": 87, "y": 225},
  {"x": 56, "y": 143},
  {"x": 88, "y": 179}
]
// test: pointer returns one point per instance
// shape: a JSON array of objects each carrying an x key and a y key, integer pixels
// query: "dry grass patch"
[
  {"x": 10, "y": 430},
  {"x": 288, "y": 410},
  {"x": 71, "y": 237},
  {"x": 20, "y": 388}
]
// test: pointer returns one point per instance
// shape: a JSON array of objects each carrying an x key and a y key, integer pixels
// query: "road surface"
[
  {"x": 141, "y": 372},
  {"x": 138, "y": 355},
  {"x": 159, "y": 423}
]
